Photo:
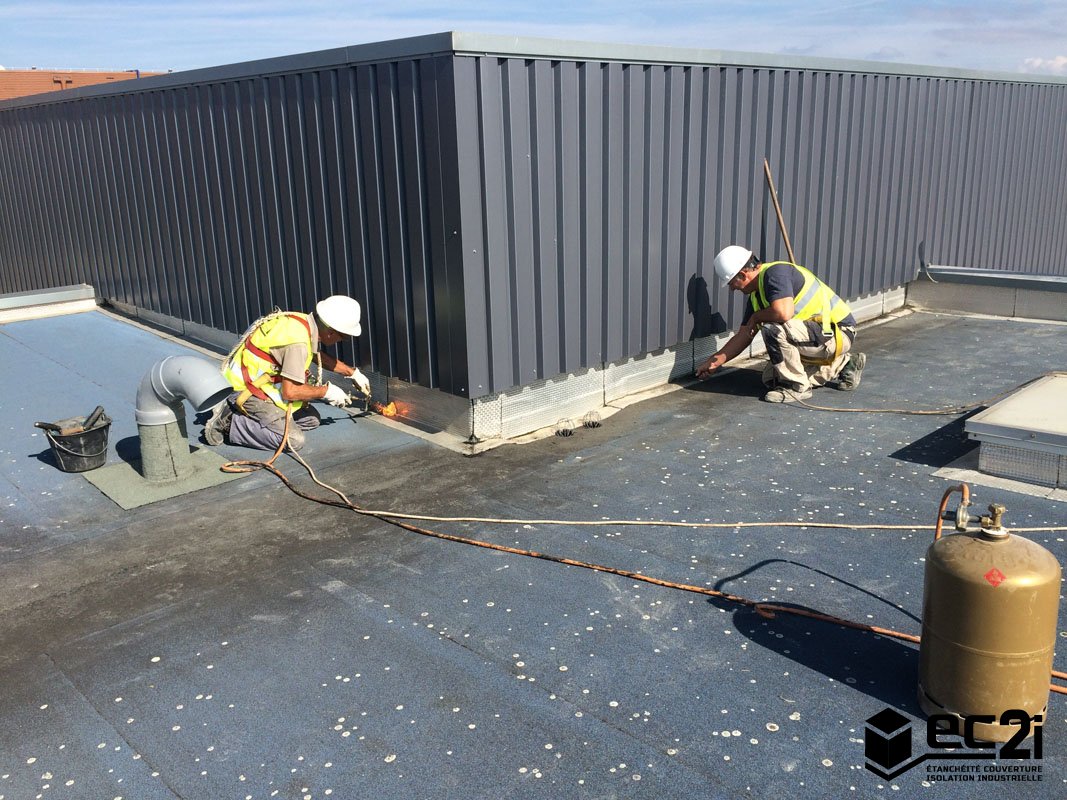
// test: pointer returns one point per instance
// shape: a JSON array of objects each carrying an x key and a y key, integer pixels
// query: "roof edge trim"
[
  {"x": 415, "y": 46},
  {"x": 484, "y": 44},
  {"x": 480, "y": 44}
]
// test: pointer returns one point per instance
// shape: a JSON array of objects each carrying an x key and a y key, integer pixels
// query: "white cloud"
[{"x": 1054, "y": 66}]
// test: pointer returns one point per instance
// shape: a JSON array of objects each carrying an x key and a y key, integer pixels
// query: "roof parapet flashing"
[
  {"x": 530, "y": 47},
  {"x": 483, "y": 44},
  {"x": 411, "y": 47}
]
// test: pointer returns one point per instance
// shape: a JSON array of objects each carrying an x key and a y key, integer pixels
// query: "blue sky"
[{"x": 1005, "y": 36}]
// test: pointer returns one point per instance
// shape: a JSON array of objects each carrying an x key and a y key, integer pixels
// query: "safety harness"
[{"x": 274, "y": 331}]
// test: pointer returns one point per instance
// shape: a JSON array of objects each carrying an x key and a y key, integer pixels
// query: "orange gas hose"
[
  {"x": 766, "y": 610},
  {"x": 965, "y": 491}
]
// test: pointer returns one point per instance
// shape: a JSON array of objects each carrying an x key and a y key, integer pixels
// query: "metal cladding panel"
[
  {"x": 599, "y": 247},
  {"x": 506, "y": 217},
  {"x": 213, "y": 202}
]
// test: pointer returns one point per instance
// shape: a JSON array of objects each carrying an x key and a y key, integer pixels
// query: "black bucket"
[{"x": 82, "y": 451}]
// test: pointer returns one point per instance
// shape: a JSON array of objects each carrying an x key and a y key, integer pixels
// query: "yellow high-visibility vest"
[
  {"x": 254, "y": 370},
  {"x": 815, "y": 301}
]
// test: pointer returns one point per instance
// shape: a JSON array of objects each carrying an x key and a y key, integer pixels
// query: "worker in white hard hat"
[
  {"x": 269, "y": 370},
  {"x": 809, "y": 331}
]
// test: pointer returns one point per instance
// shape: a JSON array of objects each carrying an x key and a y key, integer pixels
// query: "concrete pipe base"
[{"x": 165, "y": 454}]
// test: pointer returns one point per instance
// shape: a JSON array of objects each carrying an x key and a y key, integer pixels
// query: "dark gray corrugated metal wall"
[
  {"x": 596, "y": 193},
  {"x": 509, "y": 218},
  {"x": 212, "y": 203}
]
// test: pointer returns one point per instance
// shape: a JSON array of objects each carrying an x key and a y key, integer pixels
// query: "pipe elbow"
[{"x": 174, "y": 379}]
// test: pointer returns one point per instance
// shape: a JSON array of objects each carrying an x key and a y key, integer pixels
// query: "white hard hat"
[
  {"x": 730, "y": 261},
  {"x": 341, "y": 313}
]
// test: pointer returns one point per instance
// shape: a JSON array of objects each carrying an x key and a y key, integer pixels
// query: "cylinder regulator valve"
[
  {"x": 963, "y": 516},
  {"x": 992, "y": 526}
]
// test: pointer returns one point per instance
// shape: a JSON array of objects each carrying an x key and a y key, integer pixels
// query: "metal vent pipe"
[{"x": 165, "y": 454}]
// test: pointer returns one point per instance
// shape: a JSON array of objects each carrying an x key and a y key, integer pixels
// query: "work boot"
[
  {"x": 218, "y": 425},
  {"x": 784, "y": 395},
  {"x": 851, "y": 374}
]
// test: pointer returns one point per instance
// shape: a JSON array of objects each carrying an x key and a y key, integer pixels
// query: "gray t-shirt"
[{"x": 292, "y": 357}]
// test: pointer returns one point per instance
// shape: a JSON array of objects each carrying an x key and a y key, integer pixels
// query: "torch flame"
[{"x": 387, "y": 410}]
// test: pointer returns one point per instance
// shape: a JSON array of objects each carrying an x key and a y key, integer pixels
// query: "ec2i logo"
[{"x": 887, "y": 746}]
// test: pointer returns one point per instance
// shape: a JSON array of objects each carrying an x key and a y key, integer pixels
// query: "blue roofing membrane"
[{"x": 242, "y": 642}]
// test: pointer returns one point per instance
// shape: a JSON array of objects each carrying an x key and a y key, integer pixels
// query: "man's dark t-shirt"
[{"x": 779, "y": 281}]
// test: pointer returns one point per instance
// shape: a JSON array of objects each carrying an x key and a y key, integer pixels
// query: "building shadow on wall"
[
  {"x": 706, "y": 322},
  {"x": 739, "y": 382}
]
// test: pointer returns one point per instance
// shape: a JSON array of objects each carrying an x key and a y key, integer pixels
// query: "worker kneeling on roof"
[
  {"x": 269, "y": 370},
  {"x": 809, "y": 331}
]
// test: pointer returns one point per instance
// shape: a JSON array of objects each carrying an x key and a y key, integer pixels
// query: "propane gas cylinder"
[{"x": 990, "y": 601}]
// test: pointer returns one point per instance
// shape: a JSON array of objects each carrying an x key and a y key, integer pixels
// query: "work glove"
[
  {"x": 336, "y": 396},
  {"x": 362, "y": 383}
]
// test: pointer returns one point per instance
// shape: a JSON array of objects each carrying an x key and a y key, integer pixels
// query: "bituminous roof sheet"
[{"x": 242, "y": 641}]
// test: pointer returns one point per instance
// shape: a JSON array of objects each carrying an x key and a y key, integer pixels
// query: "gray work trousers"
[
  {"x": 262, "y": 424},
  {"x": 795, "y": 345}
]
